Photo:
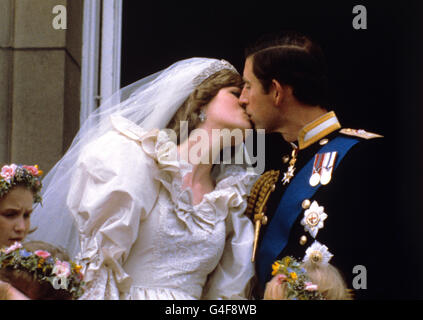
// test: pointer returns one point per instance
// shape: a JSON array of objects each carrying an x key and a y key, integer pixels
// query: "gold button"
[
  {"x": 285, "y": 159},
  {"x": 323, "y": 142},
  {"x": 306, "y": 204},
  {"x": 303, "y": 240}
]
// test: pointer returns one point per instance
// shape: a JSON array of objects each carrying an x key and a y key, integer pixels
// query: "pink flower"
[
  {"x": 13, "y": 247},
  {"x": 62, "y": 269},
  {"x": 32, "y": 170},
  {"x": 309, "y": 286},
  {"x": 281, "y": 278},
  {"x": 8, "y": 172},
  {"x": 42, "y": 254}
]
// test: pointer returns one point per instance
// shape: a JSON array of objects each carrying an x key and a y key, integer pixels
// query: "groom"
[{"x": 330, "y": 187}]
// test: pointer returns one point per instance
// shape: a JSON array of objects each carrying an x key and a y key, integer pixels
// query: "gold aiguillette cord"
[{"x": 263, "y": 189}]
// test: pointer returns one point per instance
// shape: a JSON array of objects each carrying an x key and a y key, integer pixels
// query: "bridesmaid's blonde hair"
[{"x": 328, "y": 279}]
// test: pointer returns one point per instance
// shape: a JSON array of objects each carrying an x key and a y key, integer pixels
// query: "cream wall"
[{"x": 40, "y": 71}]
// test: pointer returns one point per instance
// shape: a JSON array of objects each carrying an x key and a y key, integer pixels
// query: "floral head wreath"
[
  {"x": 298, "y": 285},
  {"x": 12, "y": 175},
  {"x": 60, "y": 274}
]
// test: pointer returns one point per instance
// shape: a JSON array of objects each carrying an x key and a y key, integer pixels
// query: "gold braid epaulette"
[{"x": 256, "y": 203}]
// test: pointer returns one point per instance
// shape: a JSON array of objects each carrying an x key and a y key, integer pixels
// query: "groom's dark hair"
[{"x": 292, "y": 59}]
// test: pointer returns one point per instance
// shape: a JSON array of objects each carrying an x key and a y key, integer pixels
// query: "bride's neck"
[{"x": 199, "y": 150}]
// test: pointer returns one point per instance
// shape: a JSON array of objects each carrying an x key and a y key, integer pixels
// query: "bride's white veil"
[{"x": 151, "y": 103}]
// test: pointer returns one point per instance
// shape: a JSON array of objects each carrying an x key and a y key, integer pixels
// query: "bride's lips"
[{"x": 249, "y": 117}]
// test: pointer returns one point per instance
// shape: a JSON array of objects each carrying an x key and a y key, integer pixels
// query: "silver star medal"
[
  {"x": 318, "y": 254},
  {"x": 313, "y": 219},
  {"x": 287, "y": 176}
]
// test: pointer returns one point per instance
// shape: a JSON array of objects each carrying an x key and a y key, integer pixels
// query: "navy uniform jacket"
[{"x": 360, "y": 227}]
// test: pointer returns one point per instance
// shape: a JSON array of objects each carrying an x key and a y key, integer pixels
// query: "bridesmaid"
[{"x": 19, "y": 190}]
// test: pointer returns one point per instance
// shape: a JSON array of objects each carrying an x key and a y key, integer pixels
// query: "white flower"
[
  {"x": 62, "y": 269},
  {"x": 318, "y": 253},
  {"x": 13, "y": 247},
  {"x": 313, "y": 219},
  {"x": 309, "y": 286}
]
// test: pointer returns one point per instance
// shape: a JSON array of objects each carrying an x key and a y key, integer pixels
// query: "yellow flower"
[
  {"x": 40, "y": 263},
  {"x": 286, "y": 261},
  {"x": 40, "y": 172},
  {"x": 293, "y": 276},
  {"x": 275, "y": 267},
  {"x": 78, "y": 268}
]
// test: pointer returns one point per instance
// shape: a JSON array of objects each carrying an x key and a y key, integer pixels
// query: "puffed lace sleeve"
[
  {"x": 112, "y": 191},
  {"x": 232, "y": 277}
]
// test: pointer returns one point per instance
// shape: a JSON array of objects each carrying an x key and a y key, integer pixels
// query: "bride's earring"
[{"x": 202, "y": 116}]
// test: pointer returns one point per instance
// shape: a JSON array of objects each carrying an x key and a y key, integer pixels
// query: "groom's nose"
[{"x": 243, "y": 101}]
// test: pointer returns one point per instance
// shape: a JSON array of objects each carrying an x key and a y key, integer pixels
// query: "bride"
[{"x": 151, "y": 222}]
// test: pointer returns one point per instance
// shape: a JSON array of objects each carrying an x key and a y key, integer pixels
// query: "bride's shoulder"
[
  {"x": 129, "y": 129},
  {"x": 123, "y": 134},
  {"x": 123, "y": 144}
]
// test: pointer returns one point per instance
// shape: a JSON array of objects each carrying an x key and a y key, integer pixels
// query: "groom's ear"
[{"x": 278, "y": 92}]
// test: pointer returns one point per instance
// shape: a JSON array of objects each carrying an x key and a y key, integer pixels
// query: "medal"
[
  {"x": 289, "y": 174},
  {"x": 315, "y": 174},
  {"x": 327, "y": 168},
  {"x": 313, "y": 219},
  {"x": 314, "y": 179}
]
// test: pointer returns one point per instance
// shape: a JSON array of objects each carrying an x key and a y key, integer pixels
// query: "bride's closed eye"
[{"x": 236, "y": 93}]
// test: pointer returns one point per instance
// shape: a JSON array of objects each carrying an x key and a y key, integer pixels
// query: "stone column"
[{"x": 40, "y": 69}]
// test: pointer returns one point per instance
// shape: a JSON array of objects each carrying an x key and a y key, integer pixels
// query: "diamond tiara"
[{"x": 216, "y": 66}]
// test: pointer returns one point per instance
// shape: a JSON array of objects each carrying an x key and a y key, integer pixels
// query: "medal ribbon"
[{"x": 317, "y": 166}]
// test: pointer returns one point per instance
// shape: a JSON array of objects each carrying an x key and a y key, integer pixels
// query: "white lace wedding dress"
[{"x": 141, "y": 238}]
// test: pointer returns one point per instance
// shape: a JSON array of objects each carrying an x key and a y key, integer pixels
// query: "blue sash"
[{"x": 290, "y": 207}]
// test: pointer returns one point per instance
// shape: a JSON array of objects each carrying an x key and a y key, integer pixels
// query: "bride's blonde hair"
[{"x": 200, "y": 97}]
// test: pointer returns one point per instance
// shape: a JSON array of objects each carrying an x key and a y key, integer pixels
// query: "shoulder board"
[{"x": 360, "y": 133}]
